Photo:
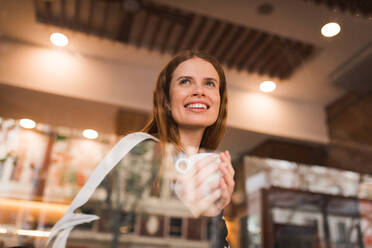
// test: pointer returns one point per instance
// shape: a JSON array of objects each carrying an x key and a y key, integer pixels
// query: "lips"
[{"x": 197, "y": 105}]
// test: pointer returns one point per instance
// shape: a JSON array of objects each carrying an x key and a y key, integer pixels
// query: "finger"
[
  {"x": 210, "y": 172},
  {"x": 200, "y": 164},
  {"x": 194, "y": 189},
  {"x": 227, "y": 163},
  {"x": 206, "y": 188},
  {"x": 188, "y": 187},
  {"x": 225, "y": 157},
  {"x": 231, "y": 170},
  {"x": 228, "y": 154},
  {"x": 227, "y": 177},
  {"x": 213, "y": 210},
  {"x": 209, "y": 201},
  {"x": 226, "y": 174},
  {"x": 225, "y": 194}
]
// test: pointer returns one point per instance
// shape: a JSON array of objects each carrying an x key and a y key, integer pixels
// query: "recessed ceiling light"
[
  {"x": 27, "y": 123},
  {"x": 330, "y": 29},
  {"x": 267, "y": 86},
  {"x": 90, "y": 134},
  {"x": 59, "y": 39}
]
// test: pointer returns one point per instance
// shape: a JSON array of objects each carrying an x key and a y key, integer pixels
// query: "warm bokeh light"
[
  {"x": 59, "y": 39},
  {"x": 34, "y": 233},
  {"x": 90, "y": 134},
  {"x": 51, "y": 211},
  {"x": 267, "y": 86},
  {"x": 27, "y": 123},
  {"x": 3, "y": 230},
  {"x": 331, "y": 29}
]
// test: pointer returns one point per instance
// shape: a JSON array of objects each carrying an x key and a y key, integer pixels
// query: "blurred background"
[{"x": 76, "y": 75}]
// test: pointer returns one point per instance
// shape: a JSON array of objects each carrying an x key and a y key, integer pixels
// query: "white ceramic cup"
[{"x": 183, "y": 165}]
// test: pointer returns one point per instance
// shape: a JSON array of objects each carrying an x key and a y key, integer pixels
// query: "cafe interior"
[{"x": 76, "y": 76}]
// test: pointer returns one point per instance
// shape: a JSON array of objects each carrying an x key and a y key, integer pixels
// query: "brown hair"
[{"x": 162, "y": 124}]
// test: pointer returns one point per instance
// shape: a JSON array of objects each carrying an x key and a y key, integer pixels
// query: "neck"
[{"x": 191, "y": 139}]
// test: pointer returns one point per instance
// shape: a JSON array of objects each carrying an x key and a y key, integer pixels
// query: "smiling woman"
[
  {"x": 189, "y": 112},
  {"x": 190, "y": 78},
  {"x": 194, "y": 94}
]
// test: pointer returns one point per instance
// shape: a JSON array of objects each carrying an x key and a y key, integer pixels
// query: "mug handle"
[{"x": 179, "y": 168}]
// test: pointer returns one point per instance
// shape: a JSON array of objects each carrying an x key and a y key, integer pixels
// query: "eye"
[
  {"x": 184, "y": 81},
  {"x": 210, "y": 83}
]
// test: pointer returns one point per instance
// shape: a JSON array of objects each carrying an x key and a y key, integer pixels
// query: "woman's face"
[{"x": 194, "y": 94}]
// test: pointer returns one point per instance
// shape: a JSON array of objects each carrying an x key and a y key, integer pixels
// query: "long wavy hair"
[{"x": 162, "y": 124}]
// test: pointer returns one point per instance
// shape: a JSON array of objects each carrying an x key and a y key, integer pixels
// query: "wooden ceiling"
[
  {"x": 355, "y": 7},
  {"x": 150, "y": 25}
]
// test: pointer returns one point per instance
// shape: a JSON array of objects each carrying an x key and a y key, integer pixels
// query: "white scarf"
[{"x": 63, "y": 227}]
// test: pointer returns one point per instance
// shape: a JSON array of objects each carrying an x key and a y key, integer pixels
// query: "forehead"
[{"x": 196, "y": 67}]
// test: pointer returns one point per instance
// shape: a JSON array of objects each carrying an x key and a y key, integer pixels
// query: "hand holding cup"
[{"x": 200, "y": 184}]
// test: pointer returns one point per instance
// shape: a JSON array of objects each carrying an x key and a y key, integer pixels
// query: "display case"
[
  {"x": 295, "y": 205},
  {"x": 41, "y": 170}
]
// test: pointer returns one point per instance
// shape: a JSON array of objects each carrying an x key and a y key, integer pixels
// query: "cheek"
[
  {"x": 176, "y": 100},
  {"x": 217, "y": 100},
  {"x": 217, "y": 103}
]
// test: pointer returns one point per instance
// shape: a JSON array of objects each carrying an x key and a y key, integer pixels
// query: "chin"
[
  {"x": 197, "y": 125},
  {"x": 195, "y": 122}
]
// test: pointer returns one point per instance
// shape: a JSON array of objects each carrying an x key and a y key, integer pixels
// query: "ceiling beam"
[
  {"x": 219, "y": 41},
  {"x": 252, "y": 47},
  {"x": 230, "y": 43},
  {"x": 77, "y": 15},
  {"x": 91, "y": 16},
  {"x": 257, "y": 53},
  {"x": 142, "y": 32},
  {"x": 243, "y": 48},
  {"x": 167, "y": 37},
  {"x": 103, "y": 29},
  {"x": 155, "y": 33},
  {"x": 182, "y": 34},
  {"x": 266, "y": 56},
  {"x": 62, "y": 19},
  {"x": 195, "y": 36},
  {"x": 209, "y": 36},
  {"x": 126, "y": 26}
]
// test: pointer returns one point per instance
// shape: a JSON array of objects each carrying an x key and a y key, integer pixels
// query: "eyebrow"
[
  {"x": 188, "y": 77},
  {"x": 212, "y": 79},
  {"x": 182, "y": 77}
]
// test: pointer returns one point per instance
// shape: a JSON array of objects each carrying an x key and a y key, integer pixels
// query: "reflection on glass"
[
  {"x": 295, "y": 205},
  {"x": 41, "y": 171}
]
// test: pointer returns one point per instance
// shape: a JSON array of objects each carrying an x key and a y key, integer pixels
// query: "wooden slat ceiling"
[
  {"x": 355, "y": 7},
  {"x": 154, "y": 26}
]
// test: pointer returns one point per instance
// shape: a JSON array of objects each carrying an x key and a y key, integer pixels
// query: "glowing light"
[
  {"x": 52, "y": 211},
  {"x": 267, "y": 86},
  {"x": 90, "y": 134},
  {"x": 27, "y": 123},
  {"x": 34, "y": 233},
  {"x": 59, "y": 39},
  {"x": 124, "y": 229},
  {"x": 3, "y": 230},
  {"x": 330, "y": 29}
]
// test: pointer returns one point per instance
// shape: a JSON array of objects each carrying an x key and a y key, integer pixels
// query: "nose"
[{"x": 198, "y": 90}]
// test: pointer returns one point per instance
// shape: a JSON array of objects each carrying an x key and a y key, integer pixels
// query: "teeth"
[{"x": 196, "y": 105}]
